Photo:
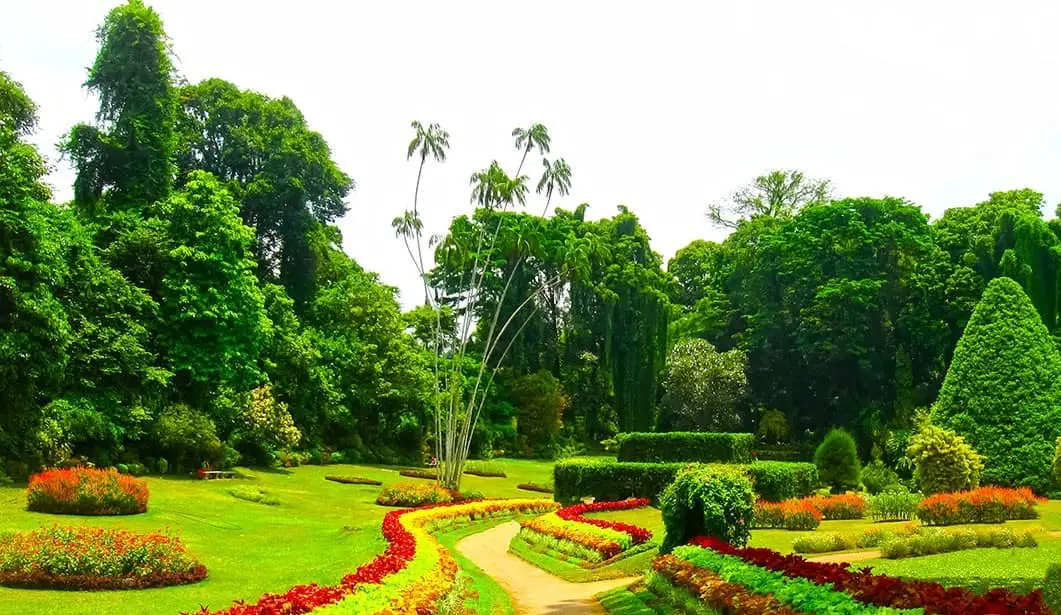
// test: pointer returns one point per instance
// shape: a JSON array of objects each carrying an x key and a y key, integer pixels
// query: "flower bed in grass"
[
  {"x": 353, "y": 480},
  {"x": 535, "y": 487},
  {"x": 411, "y": 576},
  {"x": 912, "y": 540},
  {"x": 416, "y": 494},
  {"x": 786, "y": 577},
  {"x": 87, "y": 558},
  {"x": 807, "y": 513},
  {"x": 589, "y": 541},
  {"x": 86, "y": 491},
  {"x": 425, "y": 474},
  {"x": 983, "y": 505}
]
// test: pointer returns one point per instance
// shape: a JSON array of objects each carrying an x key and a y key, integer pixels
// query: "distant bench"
[{"x": 212, "y": 474}]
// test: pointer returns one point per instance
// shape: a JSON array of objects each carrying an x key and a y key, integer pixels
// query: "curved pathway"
[{"x": 533, "y": 590}]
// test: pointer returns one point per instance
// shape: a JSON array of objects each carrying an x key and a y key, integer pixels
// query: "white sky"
[{"x": 661, "y": 106}]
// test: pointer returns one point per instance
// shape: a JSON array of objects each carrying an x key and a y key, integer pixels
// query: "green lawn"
[{"x": 320, "y": 531}]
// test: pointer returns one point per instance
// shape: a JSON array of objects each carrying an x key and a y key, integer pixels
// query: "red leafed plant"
[
  {"x": 983, "y": 505},
  {"x": 86, "y": 491},
  {"x": 883, "y": 590},
  {"x": 576, "y": 512}
]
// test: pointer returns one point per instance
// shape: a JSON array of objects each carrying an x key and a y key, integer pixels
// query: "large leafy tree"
[
  {"x": 777, "y": 194},
  {"x": 129, "y": 155},
  {"x": 1003, "y": 389},
  {"x": 279, "y": 170},
  {"x": 704, "y": 388}
]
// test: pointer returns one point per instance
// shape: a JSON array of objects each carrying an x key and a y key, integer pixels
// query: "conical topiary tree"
[{"x": 1003, "y": 389}]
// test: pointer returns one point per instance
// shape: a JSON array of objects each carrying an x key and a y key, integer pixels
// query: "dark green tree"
[{"x": 1002, "y": 392}]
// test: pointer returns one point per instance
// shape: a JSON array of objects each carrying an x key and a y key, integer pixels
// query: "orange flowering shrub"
[
  {"x": 86, "y": 491},
  {"x": 89, "y": 558},
  {"x": 842, "y": 506},
  {"x": 415, "y": 494},
  {"x": 788, "y": 515},
  {"x": 983, "y": 505}
]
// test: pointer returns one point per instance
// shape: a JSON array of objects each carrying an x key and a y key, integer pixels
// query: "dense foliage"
[
  {"x": 704, "y": 387},
  {"x": 710, "y": 501},
  {"x": 685, "y": 446},
  {"x": 837, "y": 461},
  {"x": 85, "y": 491},
  {"x": 943, "y": 461},
  {"x": 1003, "y": 389}
]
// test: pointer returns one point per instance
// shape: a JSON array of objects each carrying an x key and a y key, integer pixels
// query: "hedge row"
[
  {"x": 617, "y": 480},
  {"x": 686, "y": 446}
]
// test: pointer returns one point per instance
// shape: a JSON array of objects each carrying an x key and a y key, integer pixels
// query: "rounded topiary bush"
[
  {"x": 1002, "y": 392},
  {"x": 707, "y": 501},
  {"x": 86, "y": 491},
  {"x": 837, "y": 461},
  {"x": 943, "y": 461}
]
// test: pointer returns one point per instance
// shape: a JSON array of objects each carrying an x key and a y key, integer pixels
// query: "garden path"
[
  {"x": 533, "y": 590},
  {"x": 840, "y": 558}
]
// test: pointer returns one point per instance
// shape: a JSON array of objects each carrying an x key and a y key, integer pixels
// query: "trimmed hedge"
[
  {"x": 682, "y": 446},
  {"x": 618, "y": 480},
  {"x": 782, "y": 480},
  {"x": 707, "y": 500}
]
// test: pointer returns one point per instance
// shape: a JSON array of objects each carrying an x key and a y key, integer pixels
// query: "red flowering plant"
[
  {"x": 883, "y": 590},
  {"x": 842, "y": 506},
  {"x": 86, "y": 491},
  {"x": 983, "y": 505},
  {"x": 89, "y": 558},
  {"x": 787, "y": 515}
]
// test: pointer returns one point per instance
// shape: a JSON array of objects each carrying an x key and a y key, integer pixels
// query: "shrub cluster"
[
  {"x": 894, "y": 505},
  {"x": 928, "y": 541},
  {"x": 983, "y": 505},
  {"x": 686, "y": 446},
  {"x": 707, "y": 500},
  {"x": 876, "y": 477},
  {"x": 86, "y": 491},
  {"x": 353, "y": 480},
  {"x": 416, "y": 494},
  {"x": 943, "y": 461},
  {"x": 92, "y": 558},
  {"x": 781, "y": 480},
  {"x": 788, "y": 515},
  {"x": 837, "y": 461}
]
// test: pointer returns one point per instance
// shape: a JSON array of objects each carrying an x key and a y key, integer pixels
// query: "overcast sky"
[{"x": 663, "y": 107}]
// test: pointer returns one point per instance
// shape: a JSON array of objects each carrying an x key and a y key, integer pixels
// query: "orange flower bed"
[
  {"x": 983, "y": 505},
  {"x": 788, "y": 515},
  {"x": 843, "y": 506},
  {"x": 86, "y": 491}
]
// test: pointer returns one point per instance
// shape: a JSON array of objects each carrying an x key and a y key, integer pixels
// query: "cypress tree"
[{"x": 1003, "y": 389}]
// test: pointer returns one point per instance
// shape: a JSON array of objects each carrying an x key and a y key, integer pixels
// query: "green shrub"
[
  {"x": 876, "y": 476},
  {"x": 187, "y": 436},
  {"x": 1052, "y": 588},
  {"x": 837, "y": 461},
  {"x": 163, "y": 466},
  {"x": 943, "y": 462},
  {"x": 781, "y": 480},
  {"x": 930, "y": 540},
  {"x": 824, "y": 543},
  {"x": 773, "y": 427},
  {"x": 893, "y": 505},
  {"x": 254, "y": 494},
  {"x": 1002, "y": 391},
  {"x": 1055, "y": 467},
  {"x": 485, "y": 469},
  {"x": 122, "y": 468},
  {"x": 575, "y": 479},
  {"x": 686, "y": 446},
  {"x": 710, "y": 501}
]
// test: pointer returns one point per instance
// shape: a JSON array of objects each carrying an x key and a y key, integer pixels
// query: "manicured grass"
[
  {"x": 320, "y": 531},
  {"x": 624, "y": 601}
]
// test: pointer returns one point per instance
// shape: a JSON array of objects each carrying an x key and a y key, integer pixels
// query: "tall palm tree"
[
  {"x": 432, "y": 141},
  {"x": 492, "y": 187},
  {"x": 537, "y": 136},
  {"x": 557, "y": 176}
]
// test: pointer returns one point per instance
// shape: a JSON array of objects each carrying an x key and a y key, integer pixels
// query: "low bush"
[
  {"x": 353, "y": 480},
  {"x": 894, "y": 505},
  {"x": 427, "y": 474},
  {"x": 943, "y": 461},
  {"x": 715, "y": 501},
  {"x": 485, "y": 469},
  {"x": 877, "y": 476},
  {"x": 86, "y": 491},
  {"x": 983, "y": 505},
  {"x": 842, "y": 506},
  {"x": 824, "y": 543},
  {"x": 930, "y": 540},
  {"x": 683, "y": 446},
  {"x": 415, "y": 494},
  {"x": 781, "y": 480},
  {"x": 535, "y": 487},
  {"x": 254, "y": 494},
  {"x": 837, "y": 461},
  {"x": 89, "y": 558},
  {"x": 788, "y": 515}
]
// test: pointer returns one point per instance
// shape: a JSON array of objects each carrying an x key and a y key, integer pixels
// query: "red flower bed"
[
  {"x": 86, "y": 491},
  {"x": 787, "y": 515},
  {"x": 87, "y": 558},
  {"x": 843, "y": 506},
  {"x": 983, "y": 505},
  {"x": 883, "y": 590},
  {"x": 574, "y": 513}
]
